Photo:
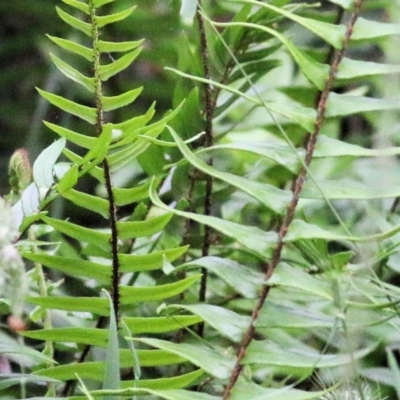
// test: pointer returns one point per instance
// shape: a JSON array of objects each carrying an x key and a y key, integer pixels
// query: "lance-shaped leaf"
[
  {"x": 73, "y": 47},
  {"x": 100, "y": 3},
  {"x": 122, "y": 100},
  {"x": 79, "y": 232},
  {"x": 130, "y": 295},
  {"x": 131, "y": 195},
  {"x": 75, "y": 22},
  {"x": 35, "y": 356},
  {"x": 87, "y": 201},
  {"x": 332, "y": 34},
  {"x": 114, "y": 47},
  {"x": 113, "y": 68},
  {"x": 79, "y": 5},
  {"x": 257, "y": 241},
  {"x": 350, "y": 69},
  {"x": 72, "y": 266},
  {"x": 244, "y": 280},
  {"x": 94, "y": 305},
  {"x": 73, "y": 73},
  {"x": 365, "y": 29},
  {"x": 86, "y": 113},
  {"x": 138, "y": 325},
  {"x": 92, "y": 169},
  {"x": 111, "y": 18},
  {"x": 218, "y": 363},
  {"x": 8, "y": 380},
  {"x": 226, "y": 322},
  {"x": 275, "y": 199},
  {"x": 149, "y": 262}
]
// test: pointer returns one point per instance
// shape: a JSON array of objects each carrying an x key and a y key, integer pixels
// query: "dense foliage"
[{"x": 236, "y": 239}]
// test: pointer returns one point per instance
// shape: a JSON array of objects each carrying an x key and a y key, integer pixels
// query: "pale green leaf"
[
  {"x": 79, "y": 5},
  {"x": 73, "y": 74},
  {"x": 44, "y": 164},
  {"x": 88, "y": 201},
  {"x": 8, "y": 380},
  {"x": 93, "y": 170},
  {"x": 365, "y": 29},
  {"x": 86, "y": 113},
  {"x": 37, "y": 356},
  {"x": 124, "y": 196},
  {"x": 135, "y": 229},
  {"x": 273, "y": 198},
  {"x": 217, "y": 363},
  {"x": 122, "y": 100},
  {"x": 226, "y": 322},
  {"x": 111, "y": 18},
  {"x": 149, "y": 262},
  {"x": 350, "y": 69},
  {"x": 130, "y": 295},
  {"x": 73, "y": 47},
  {"x": 253, "y": 238},
  {"x": 113, "y": 47},
  {"x": 113, "y": 68},
  {"x": 75, "y": 22},
  {"x": 99, "y": 3}
]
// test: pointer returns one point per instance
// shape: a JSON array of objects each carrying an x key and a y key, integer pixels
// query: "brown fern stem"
[{"x": 297, "y": 188}]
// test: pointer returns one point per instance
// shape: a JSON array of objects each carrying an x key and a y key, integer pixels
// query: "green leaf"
[
  {"x": 131, "y": 195},
  {"x": 350, "y": 69},
  {"x": 394, "y": 367},
  {"x": 84, "y": 141},
  {"x": 226, "y": 322},
  {"x": 91, "y": 336},
  {"x": 78, "y": 5},
  {"x": 287, "y": 276},
  {"x": 111, "y": 18},
  {"x": 87, "y": 201},
  {"x": 75, "y": 22},
  {"x": 130, "y": 295},
  {"x": 124, "y": 99},
  {"x": 135, "y": 229},
  {"x": 73, "y": 47},
  {"x": 79, "y": 232},
  {"x": 273, "y": 198},
  {"x": 109, "y": 70},
  {"x": 112, "y": 47},
  {"x": 73, "y": 74},
  {"x": 149, "y": 262},
  {"x": 36, "y": 356},
  {"x": 72, "y": 266},
  {"x": 138, "y": 325},
  {"x": 44, "y": 164},
  {"x": 86, "y": 113},
  {"x": 217, "y": 363},
  {"x": 364, "y": 29},
  {"x": 94, "y": 305},
  {"x": 93, "y": 170},
  {"x": 8, "y": 380},
  {"x": 257, "y": 241},
  {"x": 244, "y": 280},
  {"x": 112, "y": 378},
  {"x": 100, "y": 3},
  {"x": 295, "y": 357},
  {"x": 332, "y": 34}
]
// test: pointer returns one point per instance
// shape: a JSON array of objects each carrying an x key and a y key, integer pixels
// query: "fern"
[{"x": 277, "y": 271}]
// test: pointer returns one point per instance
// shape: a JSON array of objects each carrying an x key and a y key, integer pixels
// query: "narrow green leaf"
[
  {"x": 87, "y": 201},
  {"x": 287, "y": 276},
  {"x": 217, "y": 363},
  {"x": 149, "y": 262},
  {"x": 364, "y": 29},
  {"x": 72, "y": 266},
  {"x": 130, "y": 295},
  {"x": 44, "y": 164},
  {"x": 79, "y": 232},
  {"x": 36, "y": 356},
  {"x": 226, "y": 322},
  {"x": 75, "y": 22},
  {"x": 73, "y": 74},
  {"x": 257, "y": 241},
  {"x": 113, "y": 47},
  {"x": 135, "y": 229},
  {"x": 350, "y": 69},
  {"x": 73, "y": 47},
  {"x": 113, "y": 68},
  {"x": 91, "y": 336},
  {"x": 332, "y": 34},
  {"x": 275, "y": 199},
  {"x": 138, "y": 325},
  {"x": 94, "y": 305},
  {"x": 394, "y": 367},
  {"x": 297, "y": 358},
  {"x": 86, "y": 113},
  {"x": 84, "y": 141},
  {"x": 99, "y": 3},
  {"x": 126, "y": 333},
  {"x": 244, "y": 280},
  {"x": 122, "y": 100},
  {"x": 8, "y": 380},
  {"x": 111, "y": 18},
  {"x": 93, "y": 170},
  {"x": 131, "y": 195},
  {"x": 78, "y": 5},
  {"x": 112, "y": 378}
]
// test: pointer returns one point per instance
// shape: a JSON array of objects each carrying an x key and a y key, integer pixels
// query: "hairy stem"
[
  {"x": 297, "y": 188},
  {"x": 106, "y": 167}
]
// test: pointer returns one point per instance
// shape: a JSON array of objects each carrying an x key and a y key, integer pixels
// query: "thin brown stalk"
[{"x": 297, "y": 188}]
